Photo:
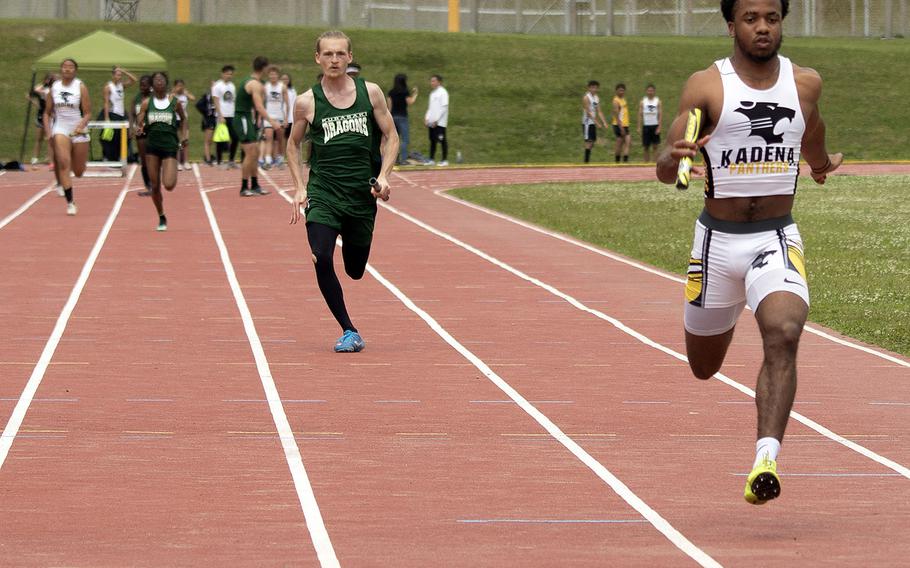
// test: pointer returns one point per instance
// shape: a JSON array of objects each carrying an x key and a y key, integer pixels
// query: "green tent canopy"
[{"x": 99, "y": 51}]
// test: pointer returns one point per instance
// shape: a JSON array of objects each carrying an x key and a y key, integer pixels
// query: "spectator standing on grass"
[
  {"x": 650, "y": 114},
  {"x": 206, "y": 107},
  {"x": 224, "y": 93},
  {"x": 114, "y": 109},
  {"x": 289, "y": 118},
  {"x": 145, "y": 89},
  {"x": 437, "y": 119},
  {"x": 38, "y": 97},
  {"x": 592, "y": 117},
  {"x": 183, "y": 99},
  {"x": 400, "y": 98},
  {"x": 621, "y": 124}
]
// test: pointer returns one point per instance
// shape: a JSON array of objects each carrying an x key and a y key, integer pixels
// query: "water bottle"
[{"x": 458, "y": 157}]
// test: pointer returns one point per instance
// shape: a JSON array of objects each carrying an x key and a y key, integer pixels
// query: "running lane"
[
  {"x": 665, "y": 421},
  {"x": 416, "y": 459},
  {"x": 42, "y": 252},
  {"x": 145, "y": 450}
]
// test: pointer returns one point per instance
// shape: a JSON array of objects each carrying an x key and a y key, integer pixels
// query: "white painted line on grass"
[
  {"x": 314, "y": 522},
  {"x": 621, "y": 489},
  {"x": 443, "y": 193},
  {"x": 34, "y": 381},
  {"x": 24, "y": 207},
  {"x": 646, "y": 340}
]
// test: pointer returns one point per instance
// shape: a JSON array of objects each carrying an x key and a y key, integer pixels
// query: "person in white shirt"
[
  {"x": 66, "y": 114},
  {"x": 760, "y": 117},
  {"x": 223, "y": 94},
  {"x": 114, "y": 109},
  {"x": 289, "y": 120},
  {"x": 437, "y": 119},
  {"x": 592, "y": 117},
  {"x": 650, "y": 114},
  {"x": 276, "y": 105}
]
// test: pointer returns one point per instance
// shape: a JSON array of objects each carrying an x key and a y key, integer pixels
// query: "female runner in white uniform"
[{"x": 66, "y": 115}]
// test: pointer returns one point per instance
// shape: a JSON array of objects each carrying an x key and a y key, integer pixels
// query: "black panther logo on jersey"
[
  {"x": 65, "y": 96},
  {"x": 275, "y": 96},
  {"x": 760, "y": 259},
  {"x": 763, "y": 119}
]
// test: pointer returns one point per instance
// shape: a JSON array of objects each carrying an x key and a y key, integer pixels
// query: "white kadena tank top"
[
  {"x": 593, "y": 103},
  {"x": 115, "y": 96},
  {"x": 755, "y": 147},
  {"x": 67, "y": 103}
]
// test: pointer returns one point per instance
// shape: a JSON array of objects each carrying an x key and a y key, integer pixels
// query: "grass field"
[
  {"x": 855, "y": 232},
  {"x": 514, "y": 99}
]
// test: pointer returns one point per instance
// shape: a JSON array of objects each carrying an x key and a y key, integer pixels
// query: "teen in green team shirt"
[
  {"x": 157, "y": 120},
  {"x": 248, "y": 105},
  {"x": 347, "y": 119}
]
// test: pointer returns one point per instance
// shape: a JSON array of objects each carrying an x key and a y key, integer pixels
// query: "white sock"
[
  {"x": 268, "y": 159},
  {"x": 766, "y": 446}
]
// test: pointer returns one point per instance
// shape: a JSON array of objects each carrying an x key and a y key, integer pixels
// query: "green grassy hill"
[{"x": 514, "y": 99}]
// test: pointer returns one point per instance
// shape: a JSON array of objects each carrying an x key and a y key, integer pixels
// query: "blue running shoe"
[{"x": 350, "y": 342}]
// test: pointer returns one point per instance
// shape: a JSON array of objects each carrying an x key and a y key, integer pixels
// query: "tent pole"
[{"x": 28, "y": 113}]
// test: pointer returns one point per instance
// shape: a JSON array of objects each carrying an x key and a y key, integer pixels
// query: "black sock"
[
  {"x": 625, "y": 158},
  {"x": 162, "y": 220},
  {"x": 244, "y": 184},
  {"x": 617, "y": 157},
  {"x": 254, "y": 182},
  {"x": 587, "y": 155},
  {"x": 69, "y": 195}
]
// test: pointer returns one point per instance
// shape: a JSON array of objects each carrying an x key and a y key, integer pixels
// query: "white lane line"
[
  {"x": 34, "y": 381},
  {"x": 646, "y": 340},
  {"x": 24, "y": 207},
  {"x": 314, "y": 522},
  {"x": 443, "y": 193},
  {"x": 621, "y": 489}
]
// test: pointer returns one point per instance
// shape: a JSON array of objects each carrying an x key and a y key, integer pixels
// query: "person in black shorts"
[
  {"x": 160, "y": 118},
  {"x": 206, "y": 107},
  {"x": 38, "y": 96},
  {"x": 650, "y": 114},
  {"x": 145, "y": 89}
]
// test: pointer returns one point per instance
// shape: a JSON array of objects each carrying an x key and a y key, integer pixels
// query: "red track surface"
[{"x": 149, "y": 440}]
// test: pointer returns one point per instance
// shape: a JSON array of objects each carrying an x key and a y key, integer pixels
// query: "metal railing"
[{"x": 859, "y": 18}]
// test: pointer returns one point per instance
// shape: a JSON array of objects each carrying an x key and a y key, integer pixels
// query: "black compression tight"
[{"x": 322, "y": 243}]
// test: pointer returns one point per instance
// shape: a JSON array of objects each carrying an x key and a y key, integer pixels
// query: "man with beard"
[{"x": 760, "y": 114}]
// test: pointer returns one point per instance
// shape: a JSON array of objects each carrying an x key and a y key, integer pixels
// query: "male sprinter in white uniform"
[{"x": 760, "y": 113}]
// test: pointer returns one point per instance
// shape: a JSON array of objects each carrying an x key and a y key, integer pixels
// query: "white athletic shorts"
[
  {"x": 734, "y": 264},
  {"x": 66, "y": 129}
]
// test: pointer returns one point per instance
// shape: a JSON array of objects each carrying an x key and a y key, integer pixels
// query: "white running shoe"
[
  {"x": 179, "y": 167},
  {"x": 443, "y": 163},
  {"x": 71, "y": 209},
  {"x": 60, "y": 191},
  {"x": 429, "y": 163}
]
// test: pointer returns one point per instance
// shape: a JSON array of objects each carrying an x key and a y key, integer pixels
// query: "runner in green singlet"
[
  {"x": 158, "y": 120},
  {"x": 348, "y": 117},
  {"x": 249, "y": 103}
]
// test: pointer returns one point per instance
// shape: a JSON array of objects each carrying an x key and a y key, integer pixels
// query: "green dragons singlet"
[
  {"x": 161, "y": 126},
  {"x": 344, "y": 148}
]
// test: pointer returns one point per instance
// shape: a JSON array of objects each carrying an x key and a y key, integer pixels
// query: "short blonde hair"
[{"x": 332, "y": 34}]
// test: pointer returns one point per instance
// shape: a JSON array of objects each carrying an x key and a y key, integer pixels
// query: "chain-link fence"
[{"x": 863, "y": 18}]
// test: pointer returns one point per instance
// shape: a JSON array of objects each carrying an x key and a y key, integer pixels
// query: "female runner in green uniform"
[{"x": 158, "y": 120}]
